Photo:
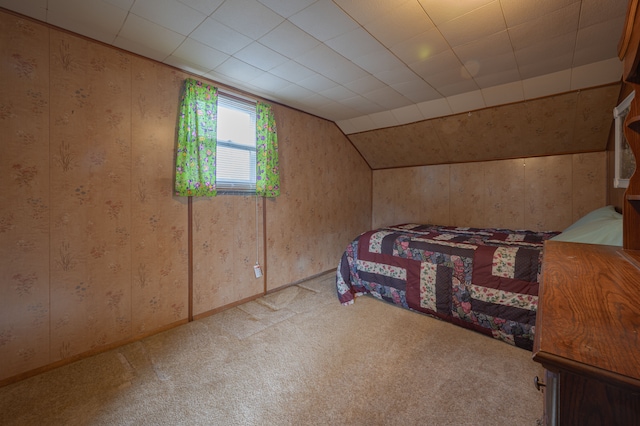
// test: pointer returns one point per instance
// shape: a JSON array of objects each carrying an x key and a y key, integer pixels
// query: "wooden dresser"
[
  {"x": 587, "y": 338},
  {"x": 588, "y": 316}
]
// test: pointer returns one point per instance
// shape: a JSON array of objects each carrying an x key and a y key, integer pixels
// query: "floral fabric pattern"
[
  {"x": 428, "y": 280},
  {"x": 197, "y": 137},
  {"x": 504, "y": 262},
  {"x": 267, "y": 164},
  {"x": 507, "y": 298}
]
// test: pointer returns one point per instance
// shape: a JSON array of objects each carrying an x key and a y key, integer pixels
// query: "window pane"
[
  {"x": 236, "y": 126},
  {"x": 233, "y": 164},
  {"x": 236, "y": 156}
]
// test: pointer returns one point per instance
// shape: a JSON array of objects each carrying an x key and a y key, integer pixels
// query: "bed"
[{"x": 485, "y": 280}]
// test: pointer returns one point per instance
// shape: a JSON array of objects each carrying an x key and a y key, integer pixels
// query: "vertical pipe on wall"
[
  {"x": 265, "y": 270},
  {"x": 190, "y": 256}
]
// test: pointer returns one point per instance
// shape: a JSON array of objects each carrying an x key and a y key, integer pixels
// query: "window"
[
  {"x": 224, "y": 142},
  {"x": 236, "y": 144},
  {"x": 625, "y": 162}
]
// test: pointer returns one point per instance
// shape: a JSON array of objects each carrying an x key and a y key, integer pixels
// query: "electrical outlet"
[{"x": 257, "y": 270}]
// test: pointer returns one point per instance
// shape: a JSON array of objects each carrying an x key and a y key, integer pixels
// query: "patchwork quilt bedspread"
[{"x": 482, "y": 279}]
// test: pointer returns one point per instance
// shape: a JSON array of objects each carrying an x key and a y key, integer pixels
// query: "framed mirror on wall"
[{"x": 625, "y": 162}]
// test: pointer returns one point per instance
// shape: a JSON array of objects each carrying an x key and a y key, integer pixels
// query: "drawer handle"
[{"x": 538, "y": 384}]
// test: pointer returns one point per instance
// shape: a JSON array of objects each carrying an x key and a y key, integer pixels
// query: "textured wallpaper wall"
[
  {"x": 94, "y": 245},
  {"x": 540, "y": 193},
  {"x": 567, "y": 123}
]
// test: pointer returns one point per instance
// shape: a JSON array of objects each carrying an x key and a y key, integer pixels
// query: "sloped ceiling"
[
  {"x": 364, "y": 64},
  {"x": 397, "y": 76},
  {"x": 579, "y": 121}
]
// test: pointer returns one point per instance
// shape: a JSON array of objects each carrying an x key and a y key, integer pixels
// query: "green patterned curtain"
[
  {"x": 196, "y": 153},
  {"x": 267, "y": 170}
]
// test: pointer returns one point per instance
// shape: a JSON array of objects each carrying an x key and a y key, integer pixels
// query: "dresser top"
[{"x": 589, "y": 310}]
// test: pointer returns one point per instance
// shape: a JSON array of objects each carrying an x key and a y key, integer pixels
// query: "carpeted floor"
[{"x": 293, "y": 357}]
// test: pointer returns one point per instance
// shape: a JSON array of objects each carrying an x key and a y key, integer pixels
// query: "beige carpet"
[{"x": 294, "y": 357}]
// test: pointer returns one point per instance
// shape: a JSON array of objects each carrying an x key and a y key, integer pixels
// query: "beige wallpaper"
[
  {"x": 325, "y": 201},
  {"x": 540, "y": 193},
  {"x": 567, "y": 123},
  {"x": 95, "y": 246},
  {"x": 90, "y": 206},
  {"x": 225, "y": 250},
  {"x": 25, "y": 198}
]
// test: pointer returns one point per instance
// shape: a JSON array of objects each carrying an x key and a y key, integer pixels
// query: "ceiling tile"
[
  {"x": 421, "y": 47},
  {"x": 407, "y": 114},
  {"x": 486, "y": 47},
  {"x": 248, "y": 17},
  {"x": 238, "y": 70},
  {"x": 443, "y": 63},
  {"x": 140, "y": 49},
  {"x": 560, "y": 22},
  {"x": 548, "y": 65},
  {"x": 361, "y": 104},
  {"x": 327, "y": 62},
  {"x": 537, "y": 87},
  {"x": 416, "y": 90},
  {"x": 400, "y": 24},
  {"x": 269, "y": 82},
  {"x": 292, "y": 71},
  {"x": 293, "y": 93},
  {"x": 496, "y": 65},
  {"x": 503, "y": 94},
  {"x": 315, "y": 101},
  {"x": 378, "y": 62},
  {"x": 205, "y": 6},
  {"x": 458, "y": 87},
  {"x": 597, "y": 11},
  {"x": 442, "y": 11},
  {"x": 362, "y": 124},
  {"x": 561, "y": 46},
  {"x": 365, "y": 11},
  {"x": 260, "y": 56},
  {"x": 323, "y": 20},
  {"x": 435, "y": 108},
  {"x": 158, "y": 39},
  {"x": 474, "y": 25},
  {"x": 338, "y": 93},
  {"x": 94, "y": 19},
  {"x": 365, "y": 84},
  {"x": 346, "y": 126},
  {"x": 289, "y": 40},
  {"x": 122, "y": 4},
  {"x": 596, "y": 42},
  {"x": 465, "y": 102},
  {"x": 399, "y": 75},
  {"x": 317, "y": 83},
  {"x": 384, "y": 119},
  {"x": 336, "y": 111},
  {"x": 36, "y": 9},
  {"x": 387, "y": 98},
  {"x": 517, "y": 12},
  {"x": 186, "y": 65},
  {"x": 354, "y": 44},
  {"x": 496, "y": 78},
  {"x": 596, "y": 74},
  {"x": 170, "y": 14},
  {"x": 286, "y": 8},
  {"x": 200, "y": 54},
  {"x": 219, "y": 36}
]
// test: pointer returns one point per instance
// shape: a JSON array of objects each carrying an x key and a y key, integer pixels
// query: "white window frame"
[
  {"x": 622, "y": 150},
  {"x": 237, "y": 183}
]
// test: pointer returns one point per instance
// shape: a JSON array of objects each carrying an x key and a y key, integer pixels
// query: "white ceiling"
[{"x": 364, "y": 64}]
